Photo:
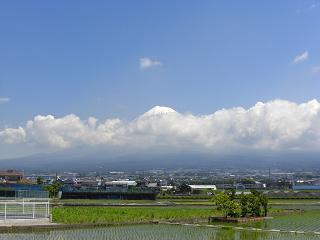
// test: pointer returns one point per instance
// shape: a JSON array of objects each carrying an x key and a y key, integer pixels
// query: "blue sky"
[
  {"x": 78, "y": 57},
  {"x": 118, "y": 59}
]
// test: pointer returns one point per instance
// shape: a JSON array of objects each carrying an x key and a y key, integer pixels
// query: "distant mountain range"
[{"x": 98, "y": 160}]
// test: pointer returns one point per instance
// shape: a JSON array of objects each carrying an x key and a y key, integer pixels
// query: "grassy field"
[{"x": 112, "y": 215}]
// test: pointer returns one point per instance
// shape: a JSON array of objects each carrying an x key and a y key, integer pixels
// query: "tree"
[
  {"x": 264, "y": 203},
  {"x": 233, "y": 208},
  {"x": 253, "y": 204},
  {"x": 220, "y": 199},
  {"x": 39, "y": 180},
  {"x": 226, "y": 205},
  {"x": 53, "y": 189},
  {"x": 250, "y": 205},
  {"x": 232, "y": 194},
  {"x": 184, "y": 188},
  {"x": 247, "y": 181},
  {"x": 245, "y": 209}
]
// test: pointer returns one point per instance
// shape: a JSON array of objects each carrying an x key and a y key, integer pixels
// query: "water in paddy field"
[
  {"x": 308, "y": 221},
  {"x": 155, "y": 232}
]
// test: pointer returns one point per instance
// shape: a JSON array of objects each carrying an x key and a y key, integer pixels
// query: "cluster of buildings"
[
  {"x": 13, "y": 184},
  {"x": 10, "y": 176},
  {"x": 147, "y": 184}
]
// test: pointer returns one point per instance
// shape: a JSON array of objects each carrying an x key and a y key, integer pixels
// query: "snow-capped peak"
[{"x": 158, "y": 110}]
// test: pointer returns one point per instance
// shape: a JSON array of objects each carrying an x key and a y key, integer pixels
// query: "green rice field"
[{"x": 128, "y": 214}]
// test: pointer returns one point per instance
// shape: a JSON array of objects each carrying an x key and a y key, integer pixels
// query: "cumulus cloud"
[
  {"x": 4, "y": 100},
  {"x": 70, "y": 131},
  {"x": 301, "y": 57},
  {"x": 274, "y": 125},
  {"x": 148, "y": 63},
  {"x": 12, "y": 135}
]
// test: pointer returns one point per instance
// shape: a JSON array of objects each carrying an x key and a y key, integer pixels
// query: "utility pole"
[{"x": 269, "y": 175}]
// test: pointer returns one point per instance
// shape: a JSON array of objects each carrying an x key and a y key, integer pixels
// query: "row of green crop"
[{"x": 111, "y": 215}]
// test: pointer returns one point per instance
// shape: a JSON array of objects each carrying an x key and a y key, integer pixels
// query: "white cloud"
[
  {"x": 274, "y": 125},
  {"x": 148, "y": 63},
  {"x": 70, "y": 131},
  {"x": 301, "y": 57},
  {"x": 316, "y": 69},
  {"x": 4, "y": 100},
  {"x": 12, "y": 135}
]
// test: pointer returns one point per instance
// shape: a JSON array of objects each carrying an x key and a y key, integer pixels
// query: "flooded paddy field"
[{"x": 155, "y": 232}]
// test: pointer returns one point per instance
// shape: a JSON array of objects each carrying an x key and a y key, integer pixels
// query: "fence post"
[
  {"x": 33, "y": 210},
  {"x": 46, "y": 210},
  {"x": 5, "y": 211},
  {"x": 49, "y": 215}
]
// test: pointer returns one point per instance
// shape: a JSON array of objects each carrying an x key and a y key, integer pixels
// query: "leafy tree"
[
  {"x": 39, "y": 180},
  {"x": 247, "y": 181},
  {"x": 226, "y": 205},
  {"x": 263, "y": 200},
  {"x": 170, "y": 191},
  {"x": 232, "y": 194},
  {"x": 53, "y": 189},
  {"x": 220, "y": 200},
  {"x": 184, "y": 188},
  {"x": 250, "y": 205},
  {"x": 233, "y": 208},
  {"x": 255, "y": 192},
  {"x": 264, "y": 203},
  {"x": 253, "y": 204},
  {"x": 245, "y": 209}
]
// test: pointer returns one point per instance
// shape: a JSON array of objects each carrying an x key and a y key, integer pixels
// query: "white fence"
[{"x": 11, "y": 210}]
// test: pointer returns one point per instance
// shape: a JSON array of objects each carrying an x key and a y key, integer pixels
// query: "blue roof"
[
  {"x": 306, "y": 187},
  {"x": 17, "y": 186}
]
